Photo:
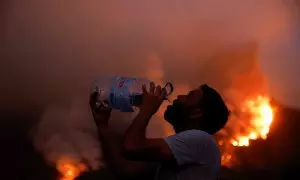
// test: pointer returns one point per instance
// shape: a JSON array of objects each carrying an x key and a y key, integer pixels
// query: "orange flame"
[
  {"x": 69, "y": 169},
  {"x": 262, "y": 115}
]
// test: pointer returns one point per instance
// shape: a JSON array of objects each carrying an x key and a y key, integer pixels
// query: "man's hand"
[
  {"x": 101, "y": 114},
  {"x": 152, "y": 99},
  {"x": 136, "y": 146}
]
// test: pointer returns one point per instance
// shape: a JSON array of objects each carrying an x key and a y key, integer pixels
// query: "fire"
[
  {"x": 262, "y": 115},
  {"x": 69, "y": 169},
  {"x": 256, "y": 116}
]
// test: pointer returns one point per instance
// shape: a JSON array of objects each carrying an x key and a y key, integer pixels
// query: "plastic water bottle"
[{"x": 121, "y": 92}]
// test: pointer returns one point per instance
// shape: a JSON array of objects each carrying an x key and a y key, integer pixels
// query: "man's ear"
[{"x": 196, "y": 113}]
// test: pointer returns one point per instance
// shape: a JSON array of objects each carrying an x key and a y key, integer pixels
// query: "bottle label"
[{"x": 120, "y": 94}]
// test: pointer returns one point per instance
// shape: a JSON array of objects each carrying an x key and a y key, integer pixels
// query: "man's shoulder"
[
  {"x": 194, "y": 137},
  {"x": 194, "y": 147}
]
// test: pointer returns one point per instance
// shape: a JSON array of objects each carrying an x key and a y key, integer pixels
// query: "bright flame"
[
  {"x": 262, "y": 115},
  {"x": 259, "y": 116},
  {"x": 69, "y": 169}
]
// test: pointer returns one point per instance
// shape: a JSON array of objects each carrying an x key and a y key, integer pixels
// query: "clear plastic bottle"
[{"x": 120, "y": 92}]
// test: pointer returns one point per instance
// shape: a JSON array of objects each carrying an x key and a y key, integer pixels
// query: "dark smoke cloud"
[{"x": 51, "y": 50}]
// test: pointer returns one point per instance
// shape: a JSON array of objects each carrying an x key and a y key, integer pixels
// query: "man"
[{"x": 189, "y": 154}]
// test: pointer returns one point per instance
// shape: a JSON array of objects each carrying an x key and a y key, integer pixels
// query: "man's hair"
[{"x": 215, "y": 113}]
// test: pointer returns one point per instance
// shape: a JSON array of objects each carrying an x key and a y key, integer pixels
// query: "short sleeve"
[{"x": 193, "y": 147}]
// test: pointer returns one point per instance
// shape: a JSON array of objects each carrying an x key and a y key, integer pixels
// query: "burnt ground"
[{"x": 275, "y": 158}]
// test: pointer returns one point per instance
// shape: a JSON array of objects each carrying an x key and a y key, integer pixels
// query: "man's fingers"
[
  {"x": 157, "y": 90},
  {"x": 144, "y": 89},
  {"x": 94, "y": 95},
  {"x": 163, "y": 93},
  {"x": 93, "y": 99},
  {"x": 152, "y": 87}
]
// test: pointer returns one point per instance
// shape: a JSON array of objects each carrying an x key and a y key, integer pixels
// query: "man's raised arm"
[
  {"x": 136, "y": 146},
  {"x": 111, "y": 148}
]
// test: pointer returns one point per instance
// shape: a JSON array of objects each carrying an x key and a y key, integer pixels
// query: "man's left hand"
[{"x": 101, "y": 114}]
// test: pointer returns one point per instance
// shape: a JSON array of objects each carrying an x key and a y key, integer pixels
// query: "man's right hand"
[{"x": 101, "y": 114}]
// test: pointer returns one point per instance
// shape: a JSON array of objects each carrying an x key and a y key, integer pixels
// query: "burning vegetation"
[
  {"x": 69, "y": 168},
  {"x": 262, "y": 116},
  {"x": 256, "y": 115}
]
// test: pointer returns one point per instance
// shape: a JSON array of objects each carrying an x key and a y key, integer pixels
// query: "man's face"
[{"x": 180, "y": 111}]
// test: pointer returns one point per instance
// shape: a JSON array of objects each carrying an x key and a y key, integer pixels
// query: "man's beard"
[{"x": 176, "y": 115}]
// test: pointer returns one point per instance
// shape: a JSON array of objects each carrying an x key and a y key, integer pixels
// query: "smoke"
[
  {"x": 280, "y": 60},
  {"x": 51, "y": 50}
]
